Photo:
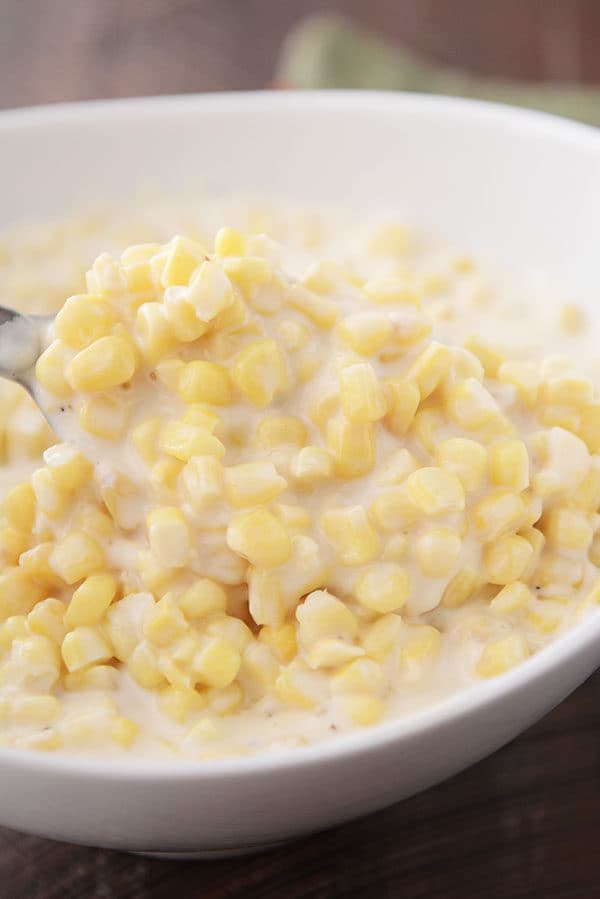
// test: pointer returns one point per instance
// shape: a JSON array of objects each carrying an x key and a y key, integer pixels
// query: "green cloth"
[{"x": 327, "y": 51}]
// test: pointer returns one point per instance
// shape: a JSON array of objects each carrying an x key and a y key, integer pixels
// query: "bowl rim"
[{"x": 455, "y": 707}]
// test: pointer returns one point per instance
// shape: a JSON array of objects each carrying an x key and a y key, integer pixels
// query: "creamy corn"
[{"x": 288, "y": 500}]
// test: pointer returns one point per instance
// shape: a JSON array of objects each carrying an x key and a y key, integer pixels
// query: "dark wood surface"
[{"x": 523, "y": 823}]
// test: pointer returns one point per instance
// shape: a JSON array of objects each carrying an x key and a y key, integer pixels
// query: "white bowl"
[{"x": 520, "y": 187}]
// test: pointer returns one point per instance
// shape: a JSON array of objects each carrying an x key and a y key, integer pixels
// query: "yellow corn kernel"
[
  {"x": 18, "y": 593},
  {"x": 359, "y": 676},
  {"x": 266, "y": 597},
  {"x": 143, "y": 665},
  {"x": 567, "y": 417},
  {"x": 294, "y": 335},
  {"x": 498, "y": 513},
  {"x": 567, "y": 389},
  {"x": 500, "y": 655},
  {"x": 84, "y": 319},
  {"x": 259, "y": 669},
  {"x": 182, "y": 259},
  {"x": 437, "y": 551},
  {"x": 490, "y": 356},
  {"x": 381, "y": 637},
  {"x": 231, "y": 629},
  {"x": 40, "y": 710},
  {"x": 509, "y": 464},
  {"x": 135, "y": 263},
  {"x": 321, "y": 310},
  {"x": 99, "y": 677},
  {"x": 18, "y": 506},
  {"x": 421, "y": 645},
  {"x": 331, "y": 652},
  {"x": 366, "y": 332},
  {"x": 77, "y": 556},
  {"x": 537, "y": 541},
  {"x": 396, "y": 468},
  {"x": 169, "y": 372},
  {"x": 362, "y": 394},
  {"x": 587, "y": 495},
  {"x": 247, "y": 271},
  {"x": 103, "y": 416},
  {"x": 51, "y": 367},
  {"x": 145, "y": 438},
  {"x": 169, "y": 536},
  {"x": 464, "y": 458},
  {"x": 258, "y": 371},
  {"x": 252, "y": 483},
  {"x": 202, "y": 480},
  {"x": 124, "y": 622},
  {"x": 229, "y": 242},
  {"x": 85, "y": 646},
  {"x": 216, "y": 664},
  {"x": 299, "y": 686},
  {"x": 205, "y": 382},
  {"x": 389, "y": 239},
  {"x": 15, "y": 627},
  {"x": 275, "y": 431},
  {"x": 435, "y": 491},
  {"x": 124, "y": 731},
  {"x": 383, "y": 587},
  {"x": 153, "y": 331},
  {"x": 164, "y": 623},
  {"x": 70, "y": 469},
  {"x": 184, "y": 440},
  {"x": 572, "y": 318},
  {"x": 38, "y": 661},
  {"x": 211, "y": 291},
  {"x": 12, "y": 544},
  {"x": 524, "y": 377},
  {"x": 557, "y": 570},
  {"x": 470, "y": 405},
  {"x": 323, "y": 408},
  {"x": 428, "y": 426},
  {"x": 180, "y": 704},
  {"x": 181, "y": 316},
  {"x": 281, "y": 640},
  {"x": 394, "y": 509},
  {"x": 567, "y": 529},
  {"x": 50, "y": 498},
  {"x": 390, "y": 290},
  {"x": 352, "y": 535},
  {"x": 460, "y": 588},
  {"x": 430, "y": 368},
  {"x": 506, "y": 559},
  {"x": 363, "y": 710},
  {"x": 91, "y": 600},
  {"x": 259, "y": 537},
  {"x": 105, "y": 363},
  {"x": 27, "y": 433},
  {"x": 105, "y": 276},
  {"x": 589, "y": 427},
  {"x": 312, "y": 465},
  {"x": 395, "y": 548},
  {"x": 35, "y": 563},
  {"x": 352, "y": 447},
  {"x": 204, "y": 597},
  {"x": 403, "y": 401},
  {"x": 511, "y": 598},
  {"x": 324, "y": 615}
]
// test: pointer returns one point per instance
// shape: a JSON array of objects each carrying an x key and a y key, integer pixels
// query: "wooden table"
[{"x": 523, "y": 822}]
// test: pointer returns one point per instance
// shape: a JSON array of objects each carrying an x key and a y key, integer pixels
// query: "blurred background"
[{"x": 78, "y": 49}]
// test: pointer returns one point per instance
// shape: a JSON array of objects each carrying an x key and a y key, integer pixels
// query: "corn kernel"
[
  {"x": 91, "y": 600},
  {"x": 216, "y": 664},
  {"x": 567, "y": 529},
  {"x": 35, "y": 563},
  {"x": 464, "y": 458},
  {"x": 299, "y": 686},
  {"x": 105, "y": 363},
  {"x": 506, "y": 559},
  {"x": 204, "y": 597},
  {"x": 352, "y": 535},
  {"x": 259, "y": 537},
  {"x": 252, "y": 483},
  {"x": 363, "y": 710},
  {"x": 50, "y": 369},
  {"x": 145, "y": 438},
  {"x": 362, "y": 394},
  {"x": 40, "y": 711},
  {"x": 202, "y": 480},
  {"x": 258, "y": 371},
  {"x": 422, "y": 644},
  {"x": 460, "y": 588},
  {"x": 38, "y": 660},
  {"x": 429, "y": 369},
  {"x": 435, "y": 491},
  {"x": 18, "y": 593},
  {"x": 382, "y": 636},
  {"x": 103, "y": 416},
  {"x": 383, "y": 587},
  {"x": 82, "y": 320},
  {"x": 182, "y": 259},
  {"x": 490, "y": 356},
  {"x": 183, "y": 440},
  {"x": 124, "y": 620},
  {"x": 143, "y": 665},
  {"x": 205, "y": 382},
  {"x": 259, "y": 669},
  {"x": 70, "y": 469},
  {"x": 589, "y": 428},
  {"x": 153, "y": 331},
  {"x": 437, "y": 551},
  {"x": 124, "y": 731},
  {"x": 365, "y": 332},
  {"x": 395, "y": 548},
  {"x": 211, "y": 291},
  {"x": 180, "y": 704},
  {"x": 352, "y": 447},
  {"x": 85, "y": 646},
  {"x": 501, "y": 655},
  {"x": 323, "y": 615},
  {"x": 76, "y": 556},
  {"x": 498, "y": 513},
  {"x": 403, "y": 400},
  {"x": 282, "y": 640},
  {"x": 274, "y": 431},
  {"x": 509, "y": 464},
  {"x": 331, "y": 652},
  {"x": 105, "y": 276},
  {"x": 104, "y": 678},
  {"x": 470, "y": 405},
  {"x": 394, "y": 509},
  {"x": 537, "y": 541},
  {"x": 181, "y": 316},
  {"x": 169, "y": 536},
  {"x": 321, "y": 310},
  {"x": 135, "y": 263},
  {"x": 265, "y": 597},
  {"x": 358, "y": 676},
  {"x": 312, "y": 465},
  {"x": 18, "y": 505},
  {"x": 511, "y": 598},
  {"x": 390, "y": 290},
  {"x": 164, "y": 623}
]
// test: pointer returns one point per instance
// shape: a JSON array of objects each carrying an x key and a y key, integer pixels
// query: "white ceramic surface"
[{"x": 520, "y": 187}]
